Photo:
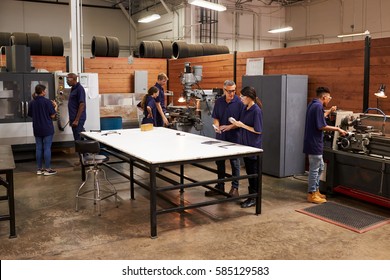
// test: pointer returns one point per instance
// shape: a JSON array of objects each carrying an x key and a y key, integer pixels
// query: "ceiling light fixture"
[
  {"x": 354, "y": 34},
  {"x": 208, "y": 5},
  {"x": 149, "y": 18},
  {"x": 280, "y": 30}
]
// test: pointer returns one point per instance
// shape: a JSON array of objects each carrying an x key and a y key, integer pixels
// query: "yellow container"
[{"x": 146, "y": 127}]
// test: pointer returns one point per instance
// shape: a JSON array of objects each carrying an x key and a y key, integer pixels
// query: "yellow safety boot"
[
  {"x": 320, "y": 194},
  {"x": 314, "y": 198}
]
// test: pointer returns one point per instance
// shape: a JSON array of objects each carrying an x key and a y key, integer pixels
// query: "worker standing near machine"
[
  {"x": 228, "y": 105},
  {"x": 251, "y": 131},
  {"x": 42, "y": 111},
  {"x": 161, "y": 119},
  {"x": 76, "y": 106},
  {"x": 314, "y": 142},
  {"x": 149, "y": 106}
]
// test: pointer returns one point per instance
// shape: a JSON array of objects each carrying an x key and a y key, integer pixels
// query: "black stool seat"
[
  {"x": 88, "y": 151},
  {"x": 87, "y": 146}
]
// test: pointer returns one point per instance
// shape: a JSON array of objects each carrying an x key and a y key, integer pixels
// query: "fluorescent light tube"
[
  {"x": 280, "y": 30},
  {"x": 208, "y": 5},
  {"x": 354, "y": 34},
  {"x": 149, "y": 18}
]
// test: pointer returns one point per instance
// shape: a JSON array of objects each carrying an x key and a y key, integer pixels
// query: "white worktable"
[{"x": 163, "y": 147}]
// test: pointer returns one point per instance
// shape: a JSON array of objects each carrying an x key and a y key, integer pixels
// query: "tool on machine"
[
  {"x": 189, "y": 116},
  {"x": 190, "y": 78},
  {"x": 363, "y": 136}
]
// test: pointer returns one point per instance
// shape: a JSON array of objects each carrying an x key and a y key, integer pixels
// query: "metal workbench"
[{"x": 7, "y": 166}]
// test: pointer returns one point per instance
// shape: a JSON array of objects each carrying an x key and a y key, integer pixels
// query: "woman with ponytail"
[
  {"x": 148, "y": 104},
  {"x": 251, "y": 129},
  {"x": 42, "y": 111}
]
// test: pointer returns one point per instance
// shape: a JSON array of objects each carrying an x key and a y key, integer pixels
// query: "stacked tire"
[
  {"x": 181, "y": 49},
  {"x": 39, "y": 45},
  {"x": 105, "y": 46},
  {"x": 155, "y": 49},
  {"x": 212, "y": 49}
]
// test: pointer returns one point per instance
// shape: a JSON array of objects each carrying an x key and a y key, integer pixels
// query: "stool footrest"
[
  {"x": 5, "y": 217},
  {"x": 108, "y": 194}
]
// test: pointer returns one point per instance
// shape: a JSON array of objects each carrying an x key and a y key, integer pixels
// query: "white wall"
[
  {"x": 321, "y": 21},
  {"x": 246, "y": 29},
  {"x": 54, "y": 20},
  {"x": 107, "y": 22},
  {"x": 160, "y": 29}
]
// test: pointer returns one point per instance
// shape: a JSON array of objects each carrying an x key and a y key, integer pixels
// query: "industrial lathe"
[{"x": 358, "y": 164}]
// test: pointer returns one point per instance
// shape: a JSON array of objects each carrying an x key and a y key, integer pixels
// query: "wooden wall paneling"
[
  {"x": 116, "y": 75},
  {"x": 380, "y": 73},
  {"x": 49, "y": 63},
  {"x": 322, "y": 48},
  {"x": 338, "y": 66},
  {"x": 382, "y": 42}
]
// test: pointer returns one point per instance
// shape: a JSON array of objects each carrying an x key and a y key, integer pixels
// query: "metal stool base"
[{"x": 99, "y": 192}]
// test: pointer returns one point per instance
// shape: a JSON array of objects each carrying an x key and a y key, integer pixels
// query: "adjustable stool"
[{"x": 88, "y": 151}]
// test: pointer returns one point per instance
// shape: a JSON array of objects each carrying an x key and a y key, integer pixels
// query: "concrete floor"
[{"x": 49, "y": 228}]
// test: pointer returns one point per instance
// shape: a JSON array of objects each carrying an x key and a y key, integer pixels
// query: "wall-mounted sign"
[{"x": 254, "y": 66}]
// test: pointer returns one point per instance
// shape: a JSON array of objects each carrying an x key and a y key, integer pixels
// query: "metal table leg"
[
  {"x": 259, "y": 183},
  {"x": 153, "y": 202}
]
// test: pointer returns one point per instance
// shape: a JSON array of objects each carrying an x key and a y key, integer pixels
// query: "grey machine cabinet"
[
  {"x": 284, "y": 99},
  {"x": 15, "y": 93}
]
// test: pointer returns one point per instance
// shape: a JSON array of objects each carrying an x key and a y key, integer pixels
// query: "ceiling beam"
[
  {"x": 127, "y": 15},
  {"x": 165, "y": 6}
]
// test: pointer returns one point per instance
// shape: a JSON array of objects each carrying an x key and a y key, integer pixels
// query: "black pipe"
[
  {"x": 67, "y": 63},
  {"x": 235, "y": 67},
  {"x": 366, "y": 86},
  {"x": 67, "y": 4}
]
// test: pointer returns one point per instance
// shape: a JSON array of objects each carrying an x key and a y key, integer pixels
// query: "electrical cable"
[{"x": 379, "y": 110}]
